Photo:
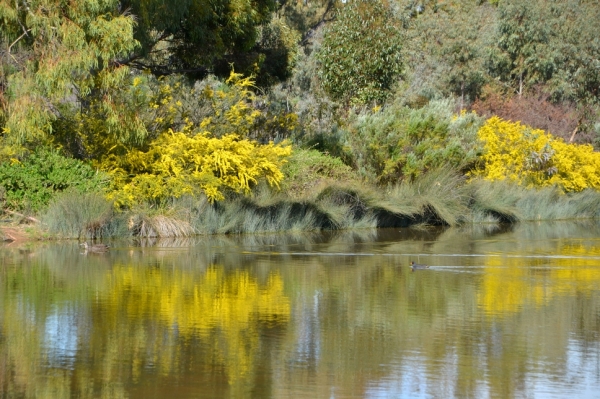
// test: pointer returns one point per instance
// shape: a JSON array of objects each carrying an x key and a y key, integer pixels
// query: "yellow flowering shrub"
[
  {"x": 178, "y": 164},
  {"x": 219, "y": 108},
  {"x": 193, "y": 155},
  {"x": 534, "y": 158}
]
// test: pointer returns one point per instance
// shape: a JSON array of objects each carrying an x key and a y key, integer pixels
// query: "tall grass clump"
[
  {"x": 439, "y": 196},
  {"x": 507, "y": 202},
  {"x": 551, "y": 203},
  {"x": 173, "y": 219},
  {"x": 495, "y": 202},
  {"x": 147, "y": 225},
  {"x": 87, "y": 215},
  {"x": 348, "y": 204},
  {"x": 322, "y": 208},
  {"x": 241, "y": 214}
]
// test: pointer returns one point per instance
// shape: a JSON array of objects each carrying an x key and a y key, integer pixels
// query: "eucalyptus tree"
[
  {"x": 360, "y": 58},
  {"x": 523, "y": 55},
  {"x": 195, "y": 37},
  {"x": 551, "y": 43},
  {"x": 577, "y": 43},
  {"x": 59, "y": 58},
  {"x": 445, "y": 47}
]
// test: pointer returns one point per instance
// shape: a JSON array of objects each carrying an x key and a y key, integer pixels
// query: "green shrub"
[
  {"x": 398, "y": 143},
  {"x": 33, "y": 182},
  {"x": 307, "y": 168}
]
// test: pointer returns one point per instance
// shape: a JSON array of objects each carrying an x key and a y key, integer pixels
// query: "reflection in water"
[
  {"x": 512, "y": 282},
  {"x": 501, "y": 313},
  {"x": 61, "y": 338},
  {"x": 221, "y": 312}
]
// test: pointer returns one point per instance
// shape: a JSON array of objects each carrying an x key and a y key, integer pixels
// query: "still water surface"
[{"x": 501, "y": 313}]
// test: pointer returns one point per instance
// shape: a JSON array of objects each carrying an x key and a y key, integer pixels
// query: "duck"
[
  {"x": 414, "y": 266},
  {"x": 95, "y": 247}
]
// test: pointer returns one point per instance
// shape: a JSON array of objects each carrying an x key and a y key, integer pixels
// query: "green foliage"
[
  {"x": 277, "y": 48},
  {"x": 578, "y": 53},
  {"x": 360, "y": 53},
  {"x": 307, "y": 16},
  {"x": 399, "y": 143},
  {"x": 445, "y": 45},
  {"x": 308, "y": 168},
  {"x": 549, "y": 42},
  {"x": 33, "y": 182},
  {"x": 516, "y": 46},
  {"x": 230, "y": 107},
  {"x": 524, "y": 55},
  {"x": 192, "y": 37},
  {"x": 64, "y": 58},
  {"x": 93, "y": 130}
]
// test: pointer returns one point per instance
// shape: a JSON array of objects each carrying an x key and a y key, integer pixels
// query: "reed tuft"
[{"x": 76, "y": 215}]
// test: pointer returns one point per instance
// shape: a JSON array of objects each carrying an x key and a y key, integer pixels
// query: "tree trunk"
[
  {"x": 520, "y": 84},
  {"x": 462, "y": 95},
  {"x": 573, "y": 134}
]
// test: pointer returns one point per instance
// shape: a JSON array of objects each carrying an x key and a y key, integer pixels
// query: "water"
[{"x": 501, "y": 313}]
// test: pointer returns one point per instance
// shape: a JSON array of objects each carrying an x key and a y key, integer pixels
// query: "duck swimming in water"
[
  {"x": 95, "y": 247},
  {"x": 414, "y": 266}
]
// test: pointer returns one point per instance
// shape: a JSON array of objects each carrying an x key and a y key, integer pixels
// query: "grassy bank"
[
  {"x": 319, "y": 192},
  {"x": 441, "y": 197}
]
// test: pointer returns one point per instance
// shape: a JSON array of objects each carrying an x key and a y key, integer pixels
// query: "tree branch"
[
  {"x": 165, "y": 70},
  {"x": 26, "y": 33},
  {"x": 311, "y": 31}
]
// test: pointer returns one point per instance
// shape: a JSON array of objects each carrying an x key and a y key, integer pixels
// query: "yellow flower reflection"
[
  {"x": 222, "y": 308},
  {"x": 511, "y": 283}
]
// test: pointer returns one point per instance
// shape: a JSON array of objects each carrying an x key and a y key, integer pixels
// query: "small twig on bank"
[{"x": 30, "y": 218}]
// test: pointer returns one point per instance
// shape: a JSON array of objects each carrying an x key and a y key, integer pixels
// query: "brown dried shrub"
[{"x": 536, "y": 110}]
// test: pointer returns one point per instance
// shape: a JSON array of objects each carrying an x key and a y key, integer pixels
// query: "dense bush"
[
  {"x": 534, "y": 158},
  {"x": 177, "y": 164},
  {"x": 398, "y": 142},
  {"x": 360, "y": 54},
  {"x": 34, "y": 181},
  {"x": 308, "y": 168}
]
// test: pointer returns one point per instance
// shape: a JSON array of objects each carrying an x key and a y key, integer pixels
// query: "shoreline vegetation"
[
  {"x": 301, "y": 116},
  {"x": 439, "y": 198}
]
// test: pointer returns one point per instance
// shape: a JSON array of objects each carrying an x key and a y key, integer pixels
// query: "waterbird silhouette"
[
  {"x": 415, "y": 266},
  {"x": 95, "y": 247}
]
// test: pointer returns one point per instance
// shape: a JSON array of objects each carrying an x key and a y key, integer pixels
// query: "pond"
[{"x": 501, "y": 312}]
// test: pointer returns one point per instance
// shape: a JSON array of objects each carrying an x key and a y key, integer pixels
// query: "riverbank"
[
  {"x": 440, "y": 198},
  {"x": 12, "y": 234}
]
